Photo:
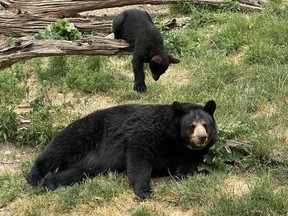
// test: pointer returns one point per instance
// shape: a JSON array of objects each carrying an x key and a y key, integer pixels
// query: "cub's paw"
[{"x": 140, "y": 87}]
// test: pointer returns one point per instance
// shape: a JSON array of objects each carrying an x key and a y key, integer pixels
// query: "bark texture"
[
  {"x": 22, "y": 18},
  {"x": 26, "y": 48}
]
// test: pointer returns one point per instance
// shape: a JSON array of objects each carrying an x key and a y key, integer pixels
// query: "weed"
[
  {"x": 11, "y": 89},
  {"x": 41, "y": 129},
  {"x": 222, "y": 156},
  {"x": 86, "y": 74},
  {"x": 62, "y": 29},
  {"x": 177, "y": 43},
  {"x": 54, "y": 73},
  {"x": 8, "y": 124}
]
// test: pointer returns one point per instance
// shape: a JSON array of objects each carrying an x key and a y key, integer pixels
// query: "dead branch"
[
  {"x": 26, "y": 48},
  {"x": 4, "y": 163},
  {"x": 68, "y": 8}
]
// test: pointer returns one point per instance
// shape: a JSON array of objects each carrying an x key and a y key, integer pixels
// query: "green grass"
[
  {"x": 261, "y": 200},
  {"x": 10, "y": 188},
  {"x": 237, "y": 58},
  {"x": 87, "y": 74}
]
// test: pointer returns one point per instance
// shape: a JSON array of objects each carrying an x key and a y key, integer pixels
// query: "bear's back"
[
  {"x": 136, "y": 20},
  {"x": 137, "y": 24}
]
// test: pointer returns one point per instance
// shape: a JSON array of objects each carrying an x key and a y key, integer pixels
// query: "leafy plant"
[
  {"x": 178, "y": 43},
  {"x": 8, "y": 124},
  {"x": 41, "y": 129},
  {"x": 62, "y": 29},
  {"x": 221, "y": 155},
  {"x": 85, "y": 74},
  {"x": 55, "y": 71},
  {"x": 11, "y": 91},
  {"x": 82, "y": 73}
]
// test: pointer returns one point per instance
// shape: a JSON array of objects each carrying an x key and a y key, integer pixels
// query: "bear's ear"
[
  {"x": 173, "y": 60},
  {"x": 177, "y": 108},
  {"x": 157, "y": 59},
  {"x": 210, "y": 107}
]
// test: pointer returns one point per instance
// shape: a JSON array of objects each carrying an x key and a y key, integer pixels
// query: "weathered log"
[
  {"x": 27, "y": 48},
  {"x": 28, "y": 24},
  {"x": 68, "y": 8},
  {"x": 24, "y": 17}
]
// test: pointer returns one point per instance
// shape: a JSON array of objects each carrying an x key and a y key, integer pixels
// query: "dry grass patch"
[
  {"x": 11, "y": 157},
  {"x": 175, "y": 75},
  {"x": 237, "y": 185}
]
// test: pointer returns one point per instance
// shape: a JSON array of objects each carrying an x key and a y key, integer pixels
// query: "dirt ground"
[
  {"x": 12, "y": 157},
  {"x": 153, "y": 10}
]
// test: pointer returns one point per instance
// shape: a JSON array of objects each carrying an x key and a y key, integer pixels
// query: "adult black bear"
[
  {"x": 137, "y": 28},
  {"x": 142, "y": 140}
]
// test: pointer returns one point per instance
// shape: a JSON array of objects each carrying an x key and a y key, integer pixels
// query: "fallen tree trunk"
[
  {"x": 27, "y": 48},
  {"x": 68, "y": 8},
  {"x": 25, "y": 17},
  {"x": 29, "y": 24},
  {"x": 20, "y": 18}
]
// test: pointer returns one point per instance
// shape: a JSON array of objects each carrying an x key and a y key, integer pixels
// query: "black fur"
[
  {"x": 137, "y": 28},
  {"x": 142, "y": 140}
]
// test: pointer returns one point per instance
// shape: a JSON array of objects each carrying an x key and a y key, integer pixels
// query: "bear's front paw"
[
  {"x": 139, "y": 87},
  {"x": 144, "y": 194},
  {"x": 48, "y": 183},
  {"x": 183, "y": 174},
  {"x": 33, "y": 177}
]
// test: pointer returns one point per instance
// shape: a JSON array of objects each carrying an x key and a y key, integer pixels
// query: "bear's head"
[
  {"x": 159, "y": 64},
  {"x": 197, "y": 125}
]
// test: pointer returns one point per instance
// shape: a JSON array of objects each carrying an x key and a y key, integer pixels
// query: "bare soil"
[{"x": 12, "y": 157}]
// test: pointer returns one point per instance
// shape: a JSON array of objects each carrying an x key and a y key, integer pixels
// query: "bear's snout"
[
  {"x": 202, "y": 138},
  {"x": 155, "y": 76},
  {"x": 199, "y": 137}
]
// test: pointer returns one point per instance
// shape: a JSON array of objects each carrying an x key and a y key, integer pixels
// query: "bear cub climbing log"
[{"x": 137, "y": 28}]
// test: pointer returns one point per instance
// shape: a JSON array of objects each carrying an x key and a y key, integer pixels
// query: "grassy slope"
[{"x": 238, "y": 59}]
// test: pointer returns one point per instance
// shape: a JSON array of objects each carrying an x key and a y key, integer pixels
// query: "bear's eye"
[
  {"x": 192, "y": 127},
  {"x": 204, "y": 125}
]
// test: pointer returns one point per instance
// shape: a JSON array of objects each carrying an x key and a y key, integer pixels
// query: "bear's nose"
[{"x": 202, "y": 138}]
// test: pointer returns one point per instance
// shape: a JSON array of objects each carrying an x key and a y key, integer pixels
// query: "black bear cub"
[
  {"x": 137, "y": 28},
  {"x": 142, "y": 140}
]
